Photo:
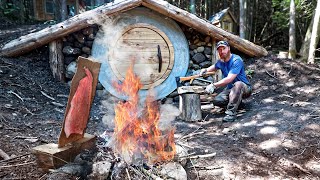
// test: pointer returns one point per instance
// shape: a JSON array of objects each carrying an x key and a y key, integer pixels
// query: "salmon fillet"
[{"x": 78, "y": 115}]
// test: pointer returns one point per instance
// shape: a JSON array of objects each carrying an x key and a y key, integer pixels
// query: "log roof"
[{"x": 31, "y": 41}]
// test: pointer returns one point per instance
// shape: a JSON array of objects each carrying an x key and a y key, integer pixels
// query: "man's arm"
[
  {"x": 225, "y": 81},
  {"x": 212, "y": 68}
]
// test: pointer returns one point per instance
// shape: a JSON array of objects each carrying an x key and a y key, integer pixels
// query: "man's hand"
[
  {"x": 210, "y": 88},
  {"x": 203, "y": 71}
]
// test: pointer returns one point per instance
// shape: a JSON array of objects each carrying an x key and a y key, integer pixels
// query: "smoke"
[{"x": 168, "y": 113}]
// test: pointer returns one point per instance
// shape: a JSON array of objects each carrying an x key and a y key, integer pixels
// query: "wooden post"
[
  {"x": 56, "y": 60},
  {"x": 189, "y": 103}
]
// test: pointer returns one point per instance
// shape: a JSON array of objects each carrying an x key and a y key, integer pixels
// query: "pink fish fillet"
[{"x": 78, "y": 115}]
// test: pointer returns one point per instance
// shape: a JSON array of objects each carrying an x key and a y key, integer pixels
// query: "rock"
[
  {"x": 88, "y": 43},
  {"x": 79, "y": 37},
  {"x": 86, "y": 50},
  {"x": 174, "y": 170},
  {"x": 100, "y": 170},
  {"x": 196, "y": 67},
  {"x": 99, "y": 86},
  {"x": 70, "y": 38},
  {"x": 201, "y": 44},
  {"x": 205, "y": 64},
  {"x": 75, "y": 169},
  {"x": 71, "y": 69},
  {"x": 208, "y": 56},
  {"x": 87, "y": 31},
  {"x": 84, "y": 55},
  {"x": 60, "y": 176},
  {"x": 192, "y": 47},
  {"x": 207, "y": 50},
  {"x": 207, "y": 39},
  {"x": 181, "y": 152},
  {"x": 68, "y": 59},
  {"x": 200, "y": 49},
  {"x": 77, "y": 44},
  {"x": 198, "y": 58},
  {"x": 91, "y": 37},
  {"x": 68, "y": 50},
  {"x": 191, "y": 53},
  {"x": 190, "y": 64}
]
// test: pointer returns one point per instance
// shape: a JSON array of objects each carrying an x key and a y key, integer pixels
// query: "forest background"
[{"x": 266, "y": 23}]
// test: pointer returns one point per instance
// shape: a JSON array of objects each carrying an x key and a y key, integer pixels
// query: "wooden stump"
[
  {"x": 189, "y": 103},
  {"x": 49, "y": 156}
]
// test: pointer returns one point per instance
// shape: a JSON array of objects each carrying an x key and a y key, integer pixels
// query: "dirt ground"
[{"x": 276, "y": 135}]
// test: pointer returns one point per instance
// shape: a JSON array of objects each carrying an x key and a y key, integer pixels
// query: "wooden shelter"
[
  {"x": 154, "y": 27},
  {"x": 225, "y": 20}
]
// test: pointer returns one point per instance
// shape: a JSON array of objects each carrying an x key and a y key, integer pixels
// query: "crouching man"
[{"x": 235, "y": 81}]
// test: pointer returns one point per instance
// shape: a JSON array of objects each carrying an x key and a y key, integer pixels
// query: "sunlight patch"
[
  {"x": 269, "y": 144},
  {"x": 268, "y": 100},
  {"x": 269, "y": 130},
  {"x": 313, "y": 166},
  {"x": 251, "y": 123}
]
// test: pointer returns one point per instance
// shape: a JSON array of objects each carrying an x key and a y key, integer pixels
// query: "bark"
[
  {"x": 314, "y": 35},
  {"x": 292, "y": 31}
]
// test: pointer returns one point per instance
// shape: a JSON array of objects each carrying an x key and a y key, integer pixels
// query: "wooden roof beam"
[
  {"x": 204, "y": 27},
  {"x": 31, "y": 41}
]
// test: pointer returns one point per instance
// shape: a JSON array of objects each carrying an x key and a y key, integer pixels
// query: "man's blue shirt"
[{"x": 233, "y": 66}]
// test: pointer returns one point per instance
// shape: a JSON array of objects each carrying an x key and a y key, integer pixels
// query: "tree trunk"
[
  {"x": 304, "y": 50},
  {"x": 243, "y": 19},
  {"x": 192, "y": 6},
  {"x": 22, "y": 11},
  {"x": 60, "y": 10},
  {"x": 314, "y": 35},
  {"x": 292, "y": 31}
]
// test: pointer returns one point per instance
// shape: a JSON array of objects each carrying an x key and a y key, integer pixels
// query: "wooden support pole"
[{"x": 56, "y": 60}]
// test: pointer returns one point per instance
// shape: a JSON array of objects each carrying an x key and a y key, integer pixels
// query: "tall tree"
[
  {"x": 61, "y": 10},
  {"x": 243, "y": 19},
  {"x": 193, "y": 6},
  {"x": 304, "y": 50},
  {"x": 314, "y": 35},
  {"x": 292, "y": 31}
]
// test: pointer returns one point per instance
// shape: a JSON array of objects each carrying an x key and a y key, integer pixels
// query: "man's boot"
[{"x": 231, "y": 113}]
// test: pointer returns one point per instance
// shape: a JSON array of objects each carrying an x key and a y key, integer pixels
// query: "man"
[{"x": 234, "y": 78}]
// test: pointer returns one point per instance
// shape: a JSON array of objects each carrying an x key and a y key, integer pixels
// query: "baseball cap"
[{"x": 222, "y": 43}]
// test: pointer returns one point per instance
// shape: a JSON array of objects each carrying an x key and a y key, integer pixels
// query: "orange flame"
[{"x": 137, "y": 135}]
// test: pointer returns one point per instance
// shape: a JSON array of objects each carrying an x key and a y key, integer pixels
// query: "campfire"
[{"x": 137, "y": 137}]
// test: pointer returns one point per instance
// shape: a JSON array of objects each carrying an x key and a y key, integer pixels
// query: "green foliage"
[
  {"x": 281, "y": 10},
  {"x": 10, "y": 10}
]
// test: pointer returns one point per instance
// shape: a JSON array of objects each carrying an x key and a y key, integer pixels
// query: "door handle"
[{"x": 160, "y": 59}]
